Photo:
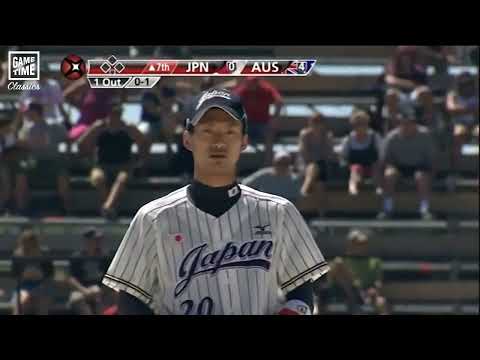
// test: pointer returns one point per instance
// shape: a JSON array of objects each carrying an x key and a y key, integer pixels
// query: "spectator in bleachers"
[
  {"x": 4, "y": 63},
  {"x": 42, "y": 160},
  {"x": 41, "y": 290},
  {"x": 111, "y": 141},
  {"x": 50, "y": 96},
  {"x": 316, "y": 152},
  {"x": 278, "y": 179},
  {"x": 87, "y": 268},
  {"x": 407, "y": 84},
  {"x": 151, "y": 116},
  {"x": 182, "y": 163},
  {"x": 5, "y": 186},
  {"x": 467, "y": 54},
  {"x": 257, "y": 96},
  {"x": 358, "y": 276},
  {"x": 94, "y": 104},
  {"x": 157, "y": 117},
  {"x": 3, "y": 72},
  {"x": 8, "y": 157},
  {"x": 408, "y": 151},
  {"x": 462, "y": 106},
  {"x": 30, "y": 297},
  {"x": 360, "y": 150},
  {"x": 440, "y": 57}
]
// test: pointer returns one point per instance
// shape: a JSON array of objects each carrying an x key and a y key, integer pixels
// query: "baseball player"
[{"x": 216, "y": 247}]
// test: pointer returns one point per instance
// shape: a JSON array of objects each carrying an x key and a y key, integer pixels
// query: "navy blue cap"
[{"x": 221, "y": 99}]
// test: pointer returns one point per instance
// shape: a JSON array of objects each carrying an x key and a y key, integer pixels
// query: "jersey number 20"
[{"x": 204, "y": 307}]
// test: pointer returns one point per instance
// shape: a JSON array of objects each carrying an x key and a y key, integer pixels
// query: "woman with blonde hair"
[{"x": 361, "y": 150}]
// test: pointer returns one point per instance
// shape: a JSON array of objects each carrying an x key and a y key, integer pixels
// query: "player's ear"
[
  {"x": 187, "y": 140},
  {"x": 244, "y": 142}
]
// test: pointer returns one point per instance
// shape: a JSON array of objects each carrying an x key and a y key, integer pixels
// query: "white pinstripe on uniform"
[{"x": 181, "y": 260}]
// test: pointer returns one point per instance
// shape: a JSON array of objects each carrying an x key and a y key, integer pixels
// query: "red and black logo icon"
[{"x": 73, "y": 67}]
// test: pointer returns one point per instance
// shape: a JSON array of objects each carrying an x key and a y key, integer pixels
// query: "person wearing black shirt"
[{"x": 111, "y": 142}]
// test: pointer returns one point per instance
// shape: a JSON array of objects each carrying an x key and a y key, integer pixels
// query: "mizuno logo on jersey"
[
  {"x": 198, "y": 261},
  {"x": 260, "y": 230}
]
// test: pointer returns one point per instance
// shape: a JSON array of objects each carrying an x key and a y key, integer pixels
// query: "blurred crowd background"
[{"x": 378, "y": 148}]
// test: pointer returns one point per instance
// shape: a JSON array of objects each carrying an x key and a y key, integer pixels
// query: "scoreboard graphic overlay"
[{"x": 126, "y": 73}]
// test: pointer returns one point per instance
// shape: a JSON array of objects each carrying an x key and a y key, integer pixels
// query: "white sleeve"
[
  {"x": 300, "y": 260},
  {"x": 133, "y": 268}
]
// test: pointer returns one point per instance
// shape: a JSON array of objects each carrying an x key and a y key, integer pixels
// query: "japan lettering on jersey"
[{"x": 181, "y": 260}]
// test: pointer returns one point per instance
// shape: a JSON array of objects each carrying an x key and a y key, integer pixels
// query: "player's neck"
[
  {"x": 214, "y": 200},
  {"x": 214, "y": 181}
]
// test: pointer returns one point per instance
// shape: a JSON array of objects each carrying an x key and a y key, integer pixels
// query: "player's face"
[{"x": 216, "y": 142}]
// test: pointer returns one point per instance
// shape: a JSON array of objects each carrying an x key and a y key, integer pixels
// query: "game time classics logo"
[{"x": 23, "y": 70}]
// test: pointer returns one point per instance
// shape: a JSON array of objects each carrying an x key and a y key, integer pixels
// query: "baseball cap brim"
[{"x": 220, "y": 99}]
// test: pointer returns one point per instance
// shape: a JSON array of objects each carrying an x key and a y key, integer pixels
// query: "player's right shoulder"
[
  {"x": 152, "y": 209},
  {"x": 263, "y": 196}
]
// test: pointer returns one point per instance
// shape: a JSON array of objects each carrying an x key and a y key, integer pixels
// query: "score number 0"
[{"x": 232, "y": 66}]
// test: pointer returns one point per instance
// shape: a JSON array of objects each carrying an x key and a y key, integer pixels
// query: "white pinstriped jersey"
[{"x": 180, "y": 260}]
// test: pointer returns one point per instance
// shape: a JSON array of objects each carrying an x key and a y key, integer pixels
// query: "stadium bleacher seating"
[
  {"x": 440, "y": 276},
  {"x": 430, "y": 267}
]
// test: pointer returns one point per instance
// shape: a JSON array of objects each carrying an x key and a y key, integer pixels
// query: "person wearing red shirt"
[{"x": 257, "y": 96}]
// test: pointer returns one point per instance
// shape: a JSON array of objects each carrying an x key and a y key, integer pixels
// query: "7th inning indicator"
[{"x": 120, "y": 73}]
